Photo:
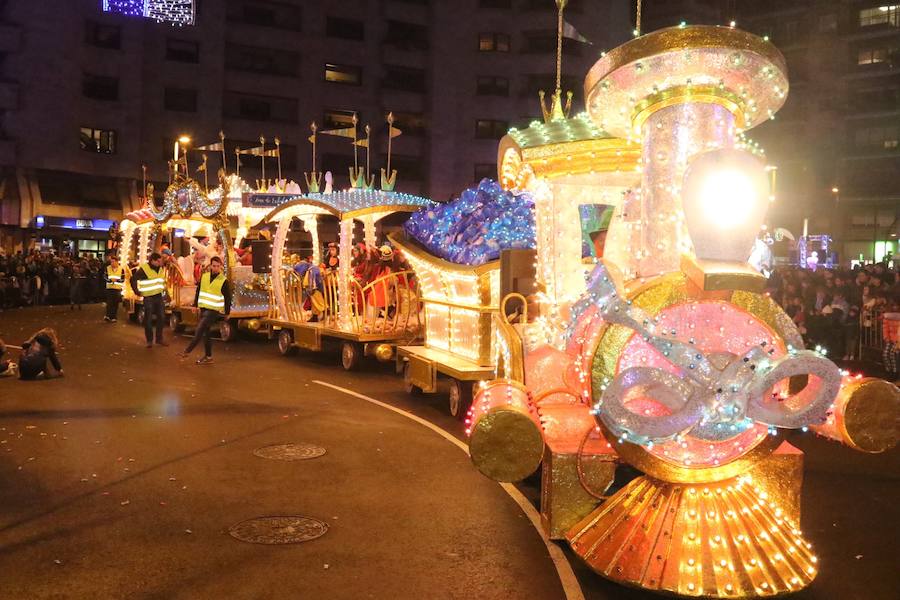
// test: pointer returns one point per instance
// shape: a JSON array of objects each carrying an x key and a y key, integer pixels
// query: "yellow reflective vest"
[
  {"x": 211, "y": 296},
  {"x": 113, "y": 278},
  {"x": 154, "y": 284}
]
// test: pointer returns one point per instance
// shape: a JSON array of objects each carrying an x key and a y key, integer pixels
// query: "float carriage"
[
  {"x": 671, "y": 359},
  {"x": 475, "y": 315},
  {"x": 188, "y": 212},
  {"x": 364, "y": 318}
]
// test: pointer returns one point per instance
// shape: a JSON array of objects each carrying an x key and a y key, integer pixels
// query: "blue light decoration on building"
[
  {"x": 174, "y": 12},
  {"x": 474, "y": 228},
  {"x": 132, "y": 8}
]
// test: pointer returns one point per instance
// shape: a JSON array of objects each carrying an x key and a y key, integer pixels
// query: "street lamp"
[{"x": 182, "y": 140}]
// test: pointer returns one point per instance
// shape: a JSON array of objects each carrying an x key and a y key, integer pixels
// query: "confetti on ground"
[{"x": 125, "y": 502}]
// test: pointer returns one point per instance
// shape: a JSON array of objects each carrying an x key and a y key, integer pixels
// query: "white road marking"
[{"x": 571, "y": 587}]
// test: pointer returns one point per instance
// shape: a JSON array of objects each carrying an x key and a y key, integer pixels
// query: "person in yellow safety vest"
[
  {"x": 115, "y": 278},
  {"x": 213, "y": 300},
  {"x": 149, "y": 282}
]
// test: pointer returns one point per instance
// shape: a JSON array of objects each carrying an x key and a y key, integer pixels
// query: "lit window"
[
  {"x": 337, "y": 119},
  {"x": 493, "y": 42},
  {"x": 345, "y": 74},
  {"x": 870, "y": 56},
  {"x": 98, "y": 140},
  {"x": 880, "y": 15}
]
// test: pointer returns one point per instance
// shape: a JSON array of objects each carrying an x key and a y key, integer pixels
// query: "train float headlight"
[{"x": 725, "y": 197}]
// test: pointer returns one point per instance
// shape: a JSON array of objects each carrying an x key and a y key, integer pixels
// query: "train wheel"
[
  {"x": 286, "y": 342},
  {"x": 228, "y": 330},
  {"x": 460, "y": 398},
  {"x": 175, "y": 322},
  {"x": 351, "y": 354}
]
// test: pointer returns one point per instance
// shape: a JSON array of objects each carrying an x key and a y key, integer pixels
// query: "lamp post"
[{"x": 835, "y": 190}]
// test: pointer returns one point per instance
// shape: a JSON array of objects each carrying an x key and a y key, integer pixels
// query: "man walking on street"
[
  {"x": 114, "y": 278},
  {"x": 213, "y": 300},
  {"x": 149, "y": 282}
]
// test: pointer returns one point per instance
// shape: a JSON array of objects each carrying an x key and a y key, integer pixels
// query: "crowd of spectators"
[
  {"x": 833, "y": 307},
  {"x": 36, "y": 278}
]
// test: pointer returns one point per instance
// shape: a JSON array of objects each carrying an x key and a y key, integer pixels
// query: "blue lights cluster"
[
  {"x": 132, "y": 8},
  {"x": 474, "y": 228},
  {"x": 174, "y": 12}
]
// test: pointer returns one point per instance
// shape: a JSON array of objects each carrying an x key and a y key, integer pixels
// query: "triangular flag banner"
[
  {"x": 570, "y": 32},
  {"x": 258, "y": 151},
  {"x": 362, "y": 143},
  {"x": 201, "y": 167},
  {"x": 273, "y": 152},
  {"x": 394, "y": 131},
  {"x": 312, "y": 139},
  {"x": 217, "y": 147},
  {"x": 349, "y": 132}
]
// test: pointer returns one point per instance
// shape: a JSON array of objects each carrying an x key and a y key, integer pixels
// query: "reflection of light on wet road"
[{"x": 170, "y": 405}]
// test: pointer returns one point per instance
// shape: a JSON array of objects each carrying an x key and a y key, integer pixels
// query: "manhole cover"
[
  {"x": 278, "y": 530},
  {"x": 290, "y": 452}
]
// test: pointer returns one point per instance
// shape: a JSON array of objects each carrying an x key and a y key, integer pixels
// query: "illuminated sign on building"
[{"x": 174, "y": 12}]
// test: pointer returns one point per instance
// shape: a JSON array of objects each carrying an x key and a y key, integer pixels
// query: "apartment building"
[
  {"x": 88, "y": 96},
  {"x": 836, "y": 140}
]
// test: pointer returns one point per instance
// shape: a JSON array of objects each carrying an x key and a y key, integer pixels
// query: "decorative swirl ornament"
[
  {"x": 185, "y": 197},
  {"x": 714, "y": 396}
]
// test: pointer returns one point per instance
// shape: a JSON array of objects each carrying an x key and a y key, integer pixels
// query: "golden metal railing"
[
  {"x": 511, "y": 364},
  {"x": 174, "y": 280},
  {"x": 294, "y": 297},
  {"x": 390, "y": 304}
]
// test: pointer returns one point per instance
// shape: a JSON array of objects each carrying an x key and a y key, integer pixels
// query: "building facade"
[
  {"x": 836, "y": 140},
  {"x": 88, "y": 97}
]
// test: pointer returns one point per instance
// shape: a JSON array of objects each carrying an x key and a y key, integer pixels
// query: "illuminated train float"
[
  {"x": 187, "y": 215},
  {"x": 670, "y": 358}
]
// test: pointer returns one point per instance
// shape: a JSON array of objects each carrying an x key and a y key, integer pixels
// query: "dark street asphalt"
[{"x": 122, "y": 479}]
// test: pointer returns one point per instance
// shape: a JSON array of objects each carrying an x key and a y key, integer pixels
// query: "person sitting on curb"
[{"x": 36, "y": 351}]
